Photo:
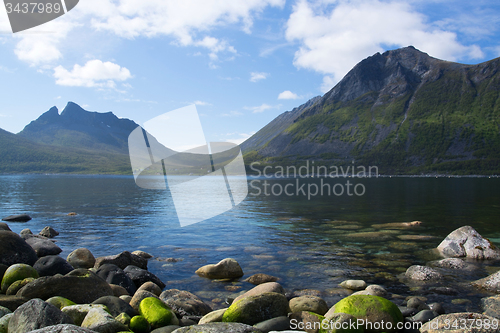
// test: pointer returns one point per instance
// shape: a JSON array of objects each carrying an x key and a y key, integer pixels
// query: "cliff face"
[{"x": 402, "y": 110}]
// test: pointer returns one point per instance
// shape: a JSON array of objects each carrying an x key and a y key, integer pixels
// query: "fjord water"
[{"x": 308, "y": 244}]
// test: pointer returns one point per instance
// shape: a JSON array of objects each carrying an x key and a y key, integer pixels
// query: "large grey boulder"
[
  {"x": 490, "y": 283},
  {"x": 81, "y": 258},
  {"x": 491, "y": 306},
  {"x": 36, "y": 314},
  {"x": 184, "y": 303},
  {"x": 80, "y": 286},
  {"x": 52, "y": 265},
  {"x": 141, "y": 276},
  {"x": 467, "y": 242},
  {"x": 422, "y": 273},
  {"x": 42, "y": 246},
  {"x": 15, "y": 250},
  {"x": 115, "y": 275},
  {"x": 122, "y": 260},
  {"x": 63, "y": 328}
]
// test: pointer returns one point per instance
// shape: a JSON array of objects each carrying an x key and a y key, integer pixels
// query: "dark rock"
[
  {"x": 116, "y": 305},
  {"x": 275, "y": 324},
  {"x": 52, "y": 265},
  {"x": 12, "y": 302},
  {"x": 115, "y": 275},
  {"x": 81, "y": 258},
  {"x": 80, "y": 286},
  {"x": 63, "y": 328},
  {"x": 4, "y": 226},
  {"x": 437, "y": 307},
  {"x": 36, "y": 314},
  {"x": 424, "y": 316},
  {"x": 15, "y": 250},
  {"x": 417, "y": 304},
  {"x": 119, "y": 290},
  {"x": 151, "y": 287},
  {"x": 166, "y": 329},
  {"x": 43, "y": 247},
  {"x": 184, "y": 303},
  {"x": 141, "y": 276},
  {"x": 122, "y": 260},
  {"x": 260, "y": 278},
  {"x": 48, "y": 232},
  {"x": 17, "y": 218},
  {"x": 3, "y": 268},
  {"x": 407, "y": 312},
  {"x": 186, "y": 322}
]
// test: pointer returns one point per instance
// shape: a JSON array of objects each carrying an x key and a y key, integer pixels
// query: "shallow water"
[{"x": 308, "y": 244}]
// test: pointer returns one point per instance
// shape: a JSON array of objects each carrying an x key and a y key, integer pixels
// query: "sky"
[{"x": 241, "y": 62}]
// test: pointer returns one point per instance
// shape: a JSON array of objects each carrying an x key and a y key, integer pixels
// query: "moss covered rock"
[
  {"x": 78, "y": 312},
  {"x": 4, "y": 322},
  {"x": 139, "y": 324},
  {"x": 123, "y": 318},
  {"x": 378, "y": 314},
  {"x": 17, "y": 272},
  {"x": 14, "y": 287},
  {"x": 60, "y": 302},
  {"x": 101, "y": 321},
  {"x": 157, "y": 313},
  {"x": 254, "y": 309}
]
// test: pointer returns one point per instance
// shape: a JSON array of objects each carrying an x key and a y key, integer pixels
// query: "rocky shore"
[{"x": 44, "y": 292}]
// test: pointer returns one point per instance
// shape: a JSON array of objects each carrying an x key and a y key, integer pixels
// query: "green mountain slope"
[
  {"x": 402, "y": 111},
  {"x": 20, "y": 155}
]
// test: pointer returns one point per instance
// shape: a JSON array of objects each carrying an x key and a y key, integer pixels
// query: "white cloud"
[
  {"x": 232, "y": 114},
  {"x": 257, "y": 76},
  {"x": 334, "y": 35},
  {"x": 261, "y": 108},
  {"x": 201, "y": 103},
  {"x": 94, "y": 73},
  {"x": 287, "y": 94}
]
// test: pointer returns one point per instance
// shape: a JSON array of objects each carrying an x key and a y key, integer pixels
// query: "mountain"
[
  {"x": 21, "y": 155},
  {"x": 403, "y": 111},
  {"x": 78, "y": 128}
]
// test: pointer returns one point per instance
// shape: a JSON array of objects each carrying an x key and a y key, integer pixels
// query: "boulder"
[
  {"x": 373, "y": 310},
  {"x": 123, "y": 318},
  {"x": 52, "y": 265},
  {"x": 353, "y": 284},
  {"x": 268, "y": 287},
  {"x": 48, "y": 232},
  {"x": 184, "y": 303},
  {"x": 115, "y": 275},
  {"x": 307, "y": 321},
  {"x": 422, "y": 273},
  {"x": 151, "y": 287},
  {"x": 308, "y": 303},
  {"x": 81, "y": 258},
  {"x": 118, "y": 290},
  {"x": 218, "y": 328},
  {"x": 467, "y": 242},
  {"x": 417, "y": 304},
  {"x": 63, "y": 328},
  {"x": 142, "y": 254},
  {"x": 16, "y": 286},
  {"x": 15, "y": 250},
  {"x": 491, "y": 306},
  {"x": 17, "y": 272},
  {"x": 454, "y": 263},
  {"x": 261, "y": 278},
  {"x": 36, "y": 314},
  {"x": 17, "y": 218},
  {"x": 424, "y": 316},
  {"x": 4, "y": 226},
  {"x": 4, "y": 322},
  {"x": 444, "y": 323},
  {"x": 490, "y": 283},
  {"x": 102, "y": 322},
  {"x": 139, "y": 296},
  {"x": 25, "y": 233},
  {"x": 4, "y": 311},
  {"x": 122, "y": 260},
  {"x": 275, "y": 324},
  {"x": 81, "y": 286},
  {"x": 12, "y": 302},
  {"x": 343, "y": 322},
  {"x": 78, "y": 312},
  {"x": 116, "y": 305},
  {"x": 225, "y": 269},
  {"x": 43, "y": 247},
  {"x": 139, "y": 324},
  {"x": 166, "y": 329},
  {"x": 157, "y": 313},
  {"x": 213, "y": 317},
  {"x": 255, "y": 309},
  {"x": 141, "y": 276},
  {"x": 60, "y": 302}
]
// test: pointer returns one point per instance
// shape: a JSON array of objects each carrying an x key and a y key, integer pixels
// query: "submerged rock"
[
  {"x": 260, "y": 278},
  {"x": 48, "y": 232},
  {"x": 422, "y": 273},
  {"x": 17, "y": 218},
  {"x": 467, "y": 242}
]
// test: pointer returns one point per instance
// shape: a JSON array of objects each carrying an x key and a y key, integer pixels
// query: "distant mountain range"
[{"x": 402, "y": 111}]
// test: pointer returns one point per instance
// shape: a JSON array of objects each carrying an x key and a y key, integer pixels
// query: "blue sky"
[{"x": 242, "y": 62}]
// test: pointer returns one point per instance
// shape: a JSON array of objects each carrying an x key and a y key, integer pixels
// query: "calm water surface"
[{"x": 308, "y": 244}]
